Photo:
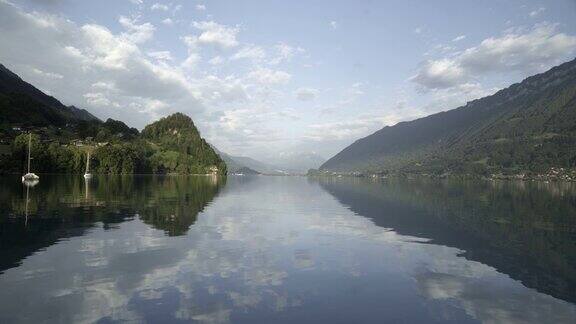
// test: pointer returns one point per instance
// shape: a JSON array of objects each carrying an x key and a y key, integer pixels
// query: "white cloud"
[
  {"x": 104, "y": 72},
  {"x": 137, "y": 33},
  {"x": 168, "y": 21},
  {"x": 190, "y": 41},
  {"x": 342, "y": 130},
  {"x": 356, "y": 89},
  {"x": 193, "y": 55},
  {"x": 49, "y": 75},
  {"x": 459, "y": 38},
  {"x": 216, "y": 34},
  {"x": 217, "y": 90},
  {"x": 161, "y": 55},
  {"x": 441, "y": 73},
  {"x": 98, "y": 99},
  {"x": 216, "y": 60},
  {"x": 159, "y": 6},
  {"x": 284, "y": 53},
  {"x": 477, "y": 298},
  {"x": 136, "y": 2},
  {"x": 334, "y": 25},
  {"x": 526, "y": 52},
  {"x": 191, "y": 61},
  {"x": 251, "y": 52},
  {"x": 269, "y": 76},
  {"x": 105, "y": 49},
  {"x": 200, "y": 7},
  {"x": 537, "y": 12},
  {"x": 101, "y": 85},
  {"x": 306, "y": 94},
  {"x": 360, "y": 125}
]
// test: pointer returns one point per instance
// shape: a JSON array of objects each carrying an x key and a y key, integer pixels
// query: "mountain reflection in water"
[
  {"x": 64, "y": 207},
  {"x": 526, "y": 230},
  {"x": 285, "y": 250}
]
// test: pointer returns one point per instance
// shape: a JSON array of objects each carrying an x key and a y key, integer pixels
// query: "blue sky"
[{"x": 273, "y": 78}]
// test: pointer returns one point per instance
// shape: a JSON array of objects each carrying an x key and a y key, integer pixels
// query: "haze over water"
[{"x": 286, "y": 250}]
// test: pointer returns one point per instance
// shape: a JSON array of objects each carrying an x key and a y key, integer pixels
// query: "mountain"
[
  {"x": 527, "y": 127},
  {"x": 284, "y": 164},
  {"x": 22, "y": 103},
  {"x": 61, "y": 137},
  {"x": 298, "y": 162},
  {"x": 231, "y": 164},
  {"x": 82, "y": 114},
  {"x": 180, "y": 148},
  {"x": 259, "y": 166},
  {"x": 246, "y": 171},
  {"x": 235, "y": 163}
]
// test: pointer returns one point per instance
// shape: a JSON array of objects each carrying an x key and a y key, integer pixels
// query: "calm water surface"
[{"x": 286, "y": 250}]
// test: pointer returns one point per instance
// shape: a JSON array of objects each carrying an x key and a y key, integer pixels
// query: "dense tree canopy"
[{"x": 171, "y": 145}]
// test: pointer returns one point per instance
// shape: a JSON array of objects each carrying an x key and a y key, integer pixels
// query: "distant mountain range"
[
  {"x": 298, "y": 162},
  {"x": 285, "y": 164},
  {"x": 527, "y": 127},
  {"x": 238, "y": 164},
  {"x": 246, "y": 171}
]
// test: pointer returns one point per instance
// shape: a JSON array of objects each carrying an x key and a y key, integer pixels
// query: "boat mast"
[
  {"x": 29, "y": 148},
  {"x": 87, "y": 162}
]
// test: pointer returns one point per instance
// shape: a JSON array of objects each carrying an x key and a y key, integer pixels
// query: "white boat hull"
[
  {"x": 30, "y": 177},
  {"x": 30, "y": 183},
  {"x": 87, "y": 176}
]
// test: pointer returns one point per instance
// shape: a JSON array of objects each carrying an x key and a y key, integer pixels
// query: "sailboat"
[
  {"x": 87, "y": 174},
  {"x": 30, "y": 177}
]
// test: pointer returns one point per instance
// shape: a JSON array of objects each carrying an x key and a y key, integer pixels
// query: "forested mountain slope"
[
  {"x": 24, "y": 104},
  {"x": 527, "y": 127}
]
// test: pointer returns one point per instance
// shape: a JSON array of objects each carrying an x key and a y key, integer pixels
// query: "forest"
[{"x": 170, "y": 145}]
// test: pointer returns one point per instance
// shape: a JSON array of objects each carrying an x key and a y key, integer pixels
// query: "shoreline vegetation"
[
  {"x": 171, "y": 145},
  {"x": 553, "y": 174}
]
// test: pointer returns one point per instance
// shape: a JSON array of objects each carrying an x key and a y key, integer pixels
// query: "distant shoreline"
[{"x": 561, "y": 177}]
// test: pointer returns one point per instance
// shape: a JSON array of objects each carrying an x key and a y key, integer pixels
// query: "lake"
[{"x": 286, "y": 250}]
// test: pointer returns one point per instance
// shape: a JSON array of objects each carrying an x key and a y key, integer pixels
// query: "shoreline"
[{"x": 555, "y": 175}]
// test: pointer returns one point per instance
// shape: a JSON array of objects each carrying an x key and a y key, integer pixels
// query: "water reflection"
[
  {"x": 526, "y": 230},
  {"x": 65, "y": 206},
  {"x": 257, "y": 250}
]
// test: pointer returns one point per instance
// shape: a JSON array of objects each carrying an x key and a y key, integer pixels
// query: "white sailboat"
[
  {"x": 87, "y": 174},
  {"x": 30, "y": 177}
]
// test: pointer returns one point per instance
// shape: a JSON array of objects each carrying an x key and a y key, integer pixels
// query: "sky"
[{"x": 273, "y": 78}]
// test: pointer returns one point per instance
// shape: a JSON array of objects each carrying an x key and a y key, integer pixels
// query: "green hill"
[
  {"x": 528, "y": 127},
  {"x": 179, "y": 147}
]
